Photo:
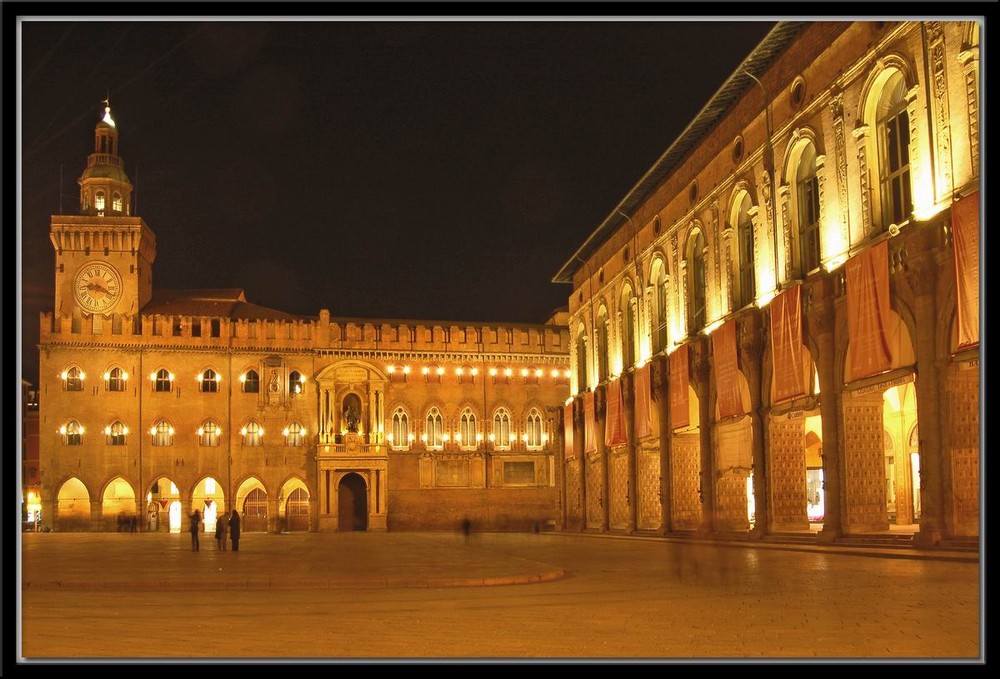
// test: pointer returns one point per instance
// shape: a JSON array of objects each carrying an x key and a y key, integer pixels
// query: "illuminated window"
[
  {"x": 116, "y": 433},
  {"x": 209, "y": 382},
  {"x": 251, "y": 382},
  {"x": 74, "y": 379},
  {"x": 807, "y": 204},
  {"x": 745, "y": 289},
  {"x": 294, "y": 434},
  {"x": 163, "y": 380},
  {"x": 629, "y": 309},
  {"x": 400, "y": 430},
  {"x": 116, "y": 379},
  {"x": 533, "y": 429},
  {"x": 432, "y": 374},
  {"x": 659, "y": 280},
  {"x": 501, "y": 429},
  {"x": 208, "y": 434},
  {"x": 434, "y": 430},
  {"x": 696, "y": 282},
  {"x": 163, "y": 434},
  {"x": 99, "y": 202},
  {"x": 467, "y": 430},
  {"x": 253, "y": 434},
  {"x": 175, "y": 324},
  {"x": 116, "y": 201},
  {"x": 296, "y": 383},
  {"x": 893, "y": 129},
  {"x": 581, "y": 358},
  {"x": 72, "y": 433},
  {"x": 467, "y": 375}
]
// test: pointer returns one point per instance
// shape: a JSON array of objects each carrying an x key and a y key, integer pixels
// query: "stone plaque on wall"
[{"x": 451, "y": 473}]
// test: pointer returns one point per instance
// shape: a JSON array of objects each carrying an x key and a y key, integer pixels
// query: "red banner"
[
  {"x": 642, "y": 402},
  {"x": 679, "y": 388},
  {"x": 786, "y": 344},
  {"x": 589, "y": 438},
  {"x": 614, "y": 432},
  {"x": 726, "y": 370},
  {"x": 568, "y": 431},
  {"x": 965, "y": 227},
  {"x": 868, "y": 312}
]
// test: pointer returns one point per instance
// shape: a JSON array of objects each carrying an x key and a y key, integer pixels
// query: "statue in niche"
[
  {"x": 351, "y": 416},
  {"x": 273, "y": 384}
]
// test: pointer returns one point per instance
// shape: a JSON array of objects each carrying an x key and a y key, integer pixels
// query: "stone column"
[
  {"x": 580, "y": 447},
  {"x": 273, "y": 525},
  {"x": 822, "y": 317},
  {"x": 559, "y": 438},
  {"x": 702, "y": 373},
  {"x": 922, "y": 277},
  {"x": 751, "y": 346},
  {"x": 603, "y": 451},
  {"x": 660, "y": 377},
  {"x": 632, "y": 489},
  {"x": 96, "y": 515}
]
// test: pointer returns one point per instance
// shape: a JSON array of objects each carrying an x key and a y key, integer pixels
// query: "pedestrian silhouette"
[
  {"x": 195, "y": 527},
  {"x": 466, "y": 528},
  {"x": 234, "y": 530},
  {"x": 222, "y": 531}
]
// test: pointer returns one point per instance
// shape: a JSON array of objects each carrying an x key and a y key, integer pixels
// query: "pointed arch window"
[
  {"x": 892, "y": 126},
  {"x": 534, "y": 430},
  {"x": 253, "y": 434},
  {"x": 501, "y": 435},
  {"x": 467, "y": 431},
  {"x": 208, "y": 381},
  {"x": 807, "y": 207},
  {"x": 399, "y": 436},
  {"x": 294, "y": 434},
  {"x": 115, "y": 433},
  {"x": 73, "y": 379},
  {"x": 116, "y": 379},
  {"x": 434, "y": 430},
  {"x": 251, "y": 382},
  {"x": 162, "y": 433},
  {"x": 296, "y": 382},
  {"x": 163, "y": 381},
  {"x": 208, "y": 434},
  {"x": 72, "y": 433}
]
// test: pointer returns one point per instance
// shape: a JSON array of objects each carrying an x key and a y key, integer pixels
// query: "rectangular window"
[
  {"x": 98, "y": 324},
  {"x": 809, "y": 224},
  {"x": 156, "y": 326},
  {"x": 895, "y": 165},
  {"x": 196, "y": 327},
  {"x": 116, "y": 324},
  {"x": 518, "y": 473},
  {"x": 252, "y": 330},
  {"x": 216, "y": 330},
  {"x": 176, "y": 327}
]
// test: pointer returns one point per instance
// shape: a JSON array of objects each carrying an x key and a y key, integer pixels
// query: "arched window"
[
  {"x": 467, "y": 432},
  {"x": 116, "y": 201},
  {"x": 208, "y": 434},
  {"x": 601, "y": 332},
  {"x": 294, "y": 434},
  {"x": 72, "y": 433},
  {"x": 745, "y": 284},
  {"x": 74, "y": 379},
  {"x": 116, "y": 433},
  {"x": 99, "y": 202},
  {"x": 163, "y": 381},
  {"x": 581, "y": 359},
  {"x": 892, "y": 124},
  {"x": 116, "y": 379},
  {"x": 399, "y": 436},
  {"x": 629, "y": 311},
  {"x": 807, "y": 209},
  {"x": 208, "y": 381},
  {"x": 251, "y": 382},
  {"x": 501, "y": 434},
  {"x": 253, "y": 434},
  {"x": 434, "y": 430},
  {"x": 162, "y": 433},
  {"x": 659, "y": 325},
  {"x": 533, "y": 430},
  {"x": 696, "y": 282},
  {"x": 296, "y": 382}
]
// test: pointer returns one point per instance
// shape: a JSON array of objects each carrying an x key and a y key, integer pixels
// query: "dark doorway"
[
  {"x": 254, "y": 519},
  {"x": 352, "y": 506}
]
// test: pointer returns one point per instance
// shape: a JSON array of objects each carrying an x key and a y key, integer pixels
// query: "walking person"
[
  {"x": 195, "y": 527},
  {"x": 222, "y": 530},
  {"x": 234, "y": 530}
]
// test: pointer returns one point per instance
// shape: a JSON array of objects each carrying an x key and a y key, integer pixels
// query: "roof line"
[{"x": 732, "y": 89}]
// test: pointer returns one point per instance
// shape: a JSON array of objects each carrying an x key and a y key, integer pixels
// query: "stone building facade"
[
  {"x": 154, "y": 403},
  {"x": 763, "y": 321}
]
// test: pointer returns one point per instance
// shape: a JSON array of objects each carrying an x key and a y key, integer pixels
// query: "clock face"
[{"x": 98, "y": 286}]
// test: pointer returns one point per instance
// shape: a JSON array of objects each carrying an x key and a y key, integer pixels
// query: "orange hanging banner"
[
  {"x": 786, "y": 344},
  {"x": 679, "y": 416},
  {"x": 726, "y": 370},
  {"x": 642, "y": 402},
  {"x": 568, "y": 431},
  {"x": 965, "y": 228},
  {"x": 614, "y": 433},
  {"x": 589, "y": 437},
  {"x": 868, "y": 312}
]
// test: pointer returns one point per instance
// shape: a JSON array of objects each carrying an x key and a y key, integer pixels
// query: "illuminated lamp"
[
  {"x": 425, "y": 370},
  {"x": 493, "y": 372},
  {"x": 406, "y": 370},
  {"x": 475, "y": 371}
]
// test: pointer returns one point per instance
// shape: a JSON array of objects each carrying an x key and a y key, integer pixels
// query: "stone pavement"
[{"x": 155, "y": 561}]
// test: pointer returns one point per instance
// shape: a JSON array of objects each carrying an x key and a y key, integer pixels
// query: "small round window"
[
  {"x": 693, "y": 192},
  {"x": 625, "y": 254},
  {"x": 798, "y": 92},
  {"x": 656, "y": 226},
  {"x": 600, "y": 276},
  {"x": 738, "y": 149}
]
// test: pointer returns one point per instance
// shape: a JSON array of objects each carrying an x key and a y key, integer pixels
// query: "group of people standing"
[{"x": 225, "y": 524}]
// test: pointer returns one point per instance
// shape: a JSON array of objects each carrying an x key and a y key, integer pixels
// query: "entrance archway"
[
  {"x": 297, "y": 510},
  {"x": 352, "y": 503},
  {"x": 254, "y": 519}
]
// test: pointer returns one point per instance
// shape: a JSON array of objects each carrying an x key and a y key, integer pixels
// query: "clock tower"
[{"x": 104, "y": 255}]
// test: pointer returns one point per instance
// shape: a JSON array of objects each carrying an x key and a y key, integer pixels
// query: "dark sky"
[{"x": 381, "y": 169}]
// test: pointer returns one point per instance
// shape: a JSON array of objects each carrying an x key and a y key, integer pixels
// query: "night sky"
[{"x": 427, "y": 169}]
